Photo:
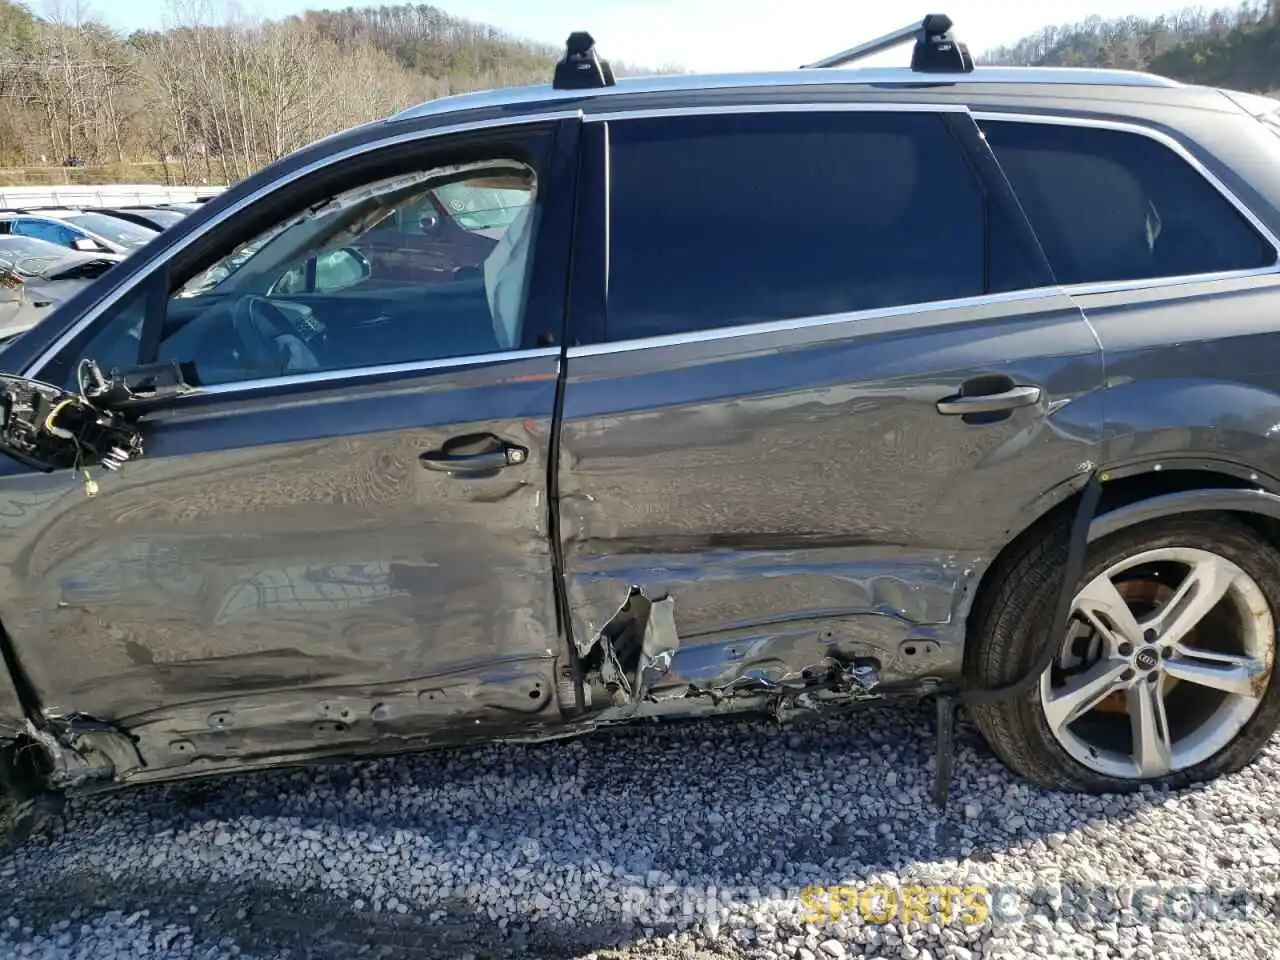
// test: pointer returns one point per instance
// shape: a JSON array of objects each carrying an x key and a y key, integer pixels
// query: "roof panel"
[{"x": 691, "y": 83}]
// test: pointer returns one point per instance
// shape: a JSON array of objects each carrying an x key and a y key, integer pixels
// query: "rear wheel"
[
  {"x": 1166, "y": 671},
  {"x": 25, "y": 804}
]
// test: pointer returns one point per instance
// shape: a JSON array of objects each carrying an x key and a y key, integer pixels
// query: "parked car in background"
[
  {"x": 35, "y": 276},
  {"x": 592, "y": 440},
  {"x": 84, "y": 230},
  {"x": 157, "y": 218},
  {"x": 33, "y": 257},
  {"x": 183, "y": 207}
]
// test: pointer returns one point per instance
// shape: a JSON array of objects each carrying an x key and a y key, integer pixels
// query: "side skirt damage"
[
  {"x": 636, "y": 667},
  {"x": 81, "y": 750}
]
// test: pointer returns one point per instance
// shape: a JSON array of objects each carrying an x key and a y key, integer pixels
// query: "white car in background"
[
  {"x": 35, "y": 276},
  {"x": 88, "y": 231}
]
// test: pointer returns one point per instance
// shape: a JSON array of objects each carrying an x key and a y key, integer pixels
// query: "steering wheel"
[{"x": 268, "y": 338}]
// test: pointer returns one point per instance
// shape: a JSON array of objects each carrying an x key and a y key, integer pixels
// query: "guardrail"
[{"x": 102, "y": 195}]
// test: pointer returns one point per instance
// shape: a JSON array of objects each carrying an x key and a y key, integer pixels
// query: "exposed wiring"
[
  {"x": 90, "y": 485},
  {"x": 59, "y": 431}
]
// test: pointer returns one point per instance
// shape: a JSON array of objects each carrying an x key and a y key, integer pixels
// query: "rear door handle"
[
  {"x": 467, "y": 456},
  {"x": 961, "y": 405}
]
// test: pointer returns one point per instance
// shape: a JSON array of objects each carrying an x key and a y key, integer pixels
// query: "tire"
[
  {"x": 26, "y": 806},
  {"x": 1008, "y": 631},
  {"x": 20, "y": 817}
]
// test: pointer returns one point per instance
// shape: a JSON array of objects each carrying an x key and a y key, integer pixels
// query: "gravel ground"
[{"x": 692, "y": 841}]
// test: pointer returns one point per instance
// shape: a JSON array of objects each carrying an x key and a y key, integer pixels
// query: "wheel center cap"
[{"x": 1147, "y": 658}]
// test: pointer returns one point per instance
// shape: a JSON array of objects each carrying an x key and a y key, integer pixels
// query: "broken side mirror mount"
[
  {"x": 49, "y": 429},
  {"x": 136, "y": 385}
]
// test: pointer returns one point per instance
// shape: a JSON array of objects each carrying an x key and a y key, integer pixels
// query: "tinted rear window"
[
  {"x": 731, "y": 219},
  {"x": 1110, "y": 205}
]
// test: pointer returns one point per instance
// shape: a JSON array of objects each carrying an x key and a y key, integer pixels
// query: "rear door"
[
  {"x": 820, "y": 374},
  {"x": 1177, "y": 275},
  {"x": 349, "y": 548}
]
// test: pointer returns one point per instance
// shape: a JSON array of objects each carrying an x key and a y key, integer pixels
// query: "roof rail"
[{"x": 936, "y": 50}]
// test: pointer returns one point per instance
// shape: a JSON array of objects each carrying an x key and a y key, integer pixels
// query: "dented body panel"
[
  {"x": 283, "y": 570},
  {"x": 1180, "y": 400},
  {"x": 800, "y": 495},
  {"x": 12, "y": 714}
]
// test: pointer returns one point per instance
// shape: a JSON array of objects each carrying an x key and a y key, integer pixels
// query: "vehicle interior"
[{"x": 320, "y": 291}]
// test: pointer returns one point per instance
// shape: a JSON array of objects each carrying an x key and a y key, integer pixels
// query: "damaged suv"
[{"x": 782, "y": 392}]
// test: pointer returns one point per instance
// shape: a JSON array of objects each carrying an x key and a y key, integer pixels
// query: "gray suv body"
[{"x": 779, "y": 392}]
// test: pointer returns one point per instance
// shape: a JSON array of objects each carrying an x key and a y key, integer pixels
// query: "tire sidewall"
[{"x": 1227, "y": 538}]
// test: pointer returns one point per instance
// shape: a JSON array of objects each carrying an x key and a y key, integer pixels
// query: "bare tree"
[{"x": 217, "y": 92}]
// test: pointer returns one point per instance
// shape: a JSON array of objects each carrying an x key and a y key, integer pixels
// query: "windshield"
[
  {"x": 117, "y": 231},
  {"x": 15, "y": 246},
  {"x": 481, "y": 208},
  {"x": 224, "y": 268},
  {"x": 24, "y": 265}
]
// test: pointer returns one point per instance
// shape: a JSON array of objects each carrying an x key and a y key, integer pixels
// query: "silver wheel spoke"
[
  {"x": 1228, "y": 672},
  {"x": 1108, "y": 612},
  {"x": 1205, "y": 585},
  {"x": 1152, "y": 747},
  {"x": 1176, "y": 594},
  {"x": 1081, "y": 694}
]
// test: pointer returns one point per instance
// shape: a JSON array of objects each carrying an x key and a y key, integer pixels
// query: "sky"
[{"x": 711, "y": 35}]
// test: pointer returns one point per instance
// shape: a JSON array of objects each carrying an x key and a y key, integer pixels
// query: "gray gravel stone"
[{"x": 655, "y": 842}]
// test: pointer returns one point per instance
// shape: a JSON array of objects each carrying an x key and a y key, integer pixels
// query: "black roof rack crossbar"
[
  {"x": 936, "y": 50},
  {"x": 582, "y": 68}
]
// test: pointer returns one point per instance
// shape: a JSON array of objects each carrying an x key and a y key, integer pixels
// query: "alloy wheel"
[{"x": 1167, "y": 657}]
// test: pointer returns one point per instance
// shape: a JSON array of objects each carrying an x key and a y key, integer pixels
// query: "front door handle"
[
  {"x": 474, "y": 455},
  {"x": 1002, "y": 402}
]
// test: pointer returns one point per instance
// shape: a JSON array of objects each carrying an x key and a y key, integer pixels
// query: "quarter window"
[
  {"x": 1110, "y": 205},
  {"x": 729, "y": 219}
]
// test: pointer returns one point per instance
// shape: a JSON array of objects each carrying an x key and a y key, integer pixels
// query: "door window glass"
[
  {"x": 1112, "y": 205},
  {"x": 721, "y": 220},
  {"x": 113, "y": 345},
  {"x": 342, "y": 285}
]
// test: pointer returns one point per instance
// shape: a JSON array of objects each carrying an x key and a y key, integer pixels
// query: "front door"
[
  {"x": 341, "y": 534},
  {"x": 831, "y": 377}
]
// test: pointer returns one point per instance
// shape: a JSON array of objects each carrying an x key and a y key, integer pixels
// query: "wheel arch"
[{"x": 1133, "y": 494}]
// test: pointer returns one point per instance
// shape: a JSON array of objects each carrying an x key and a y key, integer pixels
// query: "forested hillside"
[
  {"x": 1237, "y": 48},
  {"x": 215, "y": 103},
  {"x": 218, "y": 102}
]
